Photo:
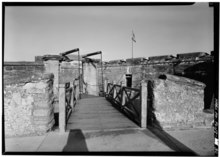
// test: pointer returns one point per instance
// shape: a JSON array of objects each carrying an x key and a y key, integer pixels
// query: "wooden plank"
[{"x": 98, "y": 114}]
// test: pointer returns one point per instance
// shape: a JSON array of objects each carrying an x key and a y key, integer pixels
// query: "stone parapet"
[
  {"x": 21, "y": 72},
  {"x": 176, "y": 102},
  {"x": 28, "y": 108},
  {"x": 185, "y": 56}
]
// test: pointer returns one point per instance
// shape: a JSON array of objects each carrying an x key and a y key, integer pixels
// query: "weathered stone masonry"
[
  {"x": 28, "y": 108},
  {"x": 26, "y": 104},
  {"x": 198, "y": 66},
  {"x": 176, "y": 102},
  {"x": 21, "y": 72}
]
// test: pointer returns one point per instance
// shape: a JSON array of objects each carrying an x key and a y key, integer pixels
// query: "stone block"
[
  {"x": 43, "y": 104},
  {"x": 16, "y": 99},
  {"x": 39, "y": 68},
  {"x": 36, "y": 87},
  {"x": 39, "y": 97},
  {"x": 30, "y": 67},
  {"x": 42, "y": 112},
  {"x": 8, "y": 67},
  {"x": 19, "y": 67},
  {"x": 43, "y": 120}
]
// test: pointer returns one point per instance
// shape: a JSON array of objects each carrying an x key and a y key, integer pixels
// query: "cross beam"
[
  {"x": 70, "y": 51},
  {"x": 92, "y": 54}
]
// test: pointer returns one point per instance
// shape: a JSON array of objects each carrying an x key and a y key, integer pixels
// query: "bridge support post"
[
  {"x": 105, "y": 86},
  {"x": 72, "y": 95},
  {"x": 143, "y": 104},
  {"x": 123, "y": 98},
  {"x": 114, "y": 90},
  {"x": 62, "y": 108}
]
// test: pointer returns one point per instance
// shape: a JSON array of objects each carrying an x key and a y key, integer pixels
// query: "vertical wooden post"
[
  {"x": 74, "y": 90},
  {"x": 72, "y": 94},
  {"x": 121, "y": 92},
  {"x": 77, "y": 90},
  {"x": 114, "y": 91},
  {"x": 62, "y": 108},
  {"x": 143, "y": 104},
  {"x": 107, "y": 89},
  {"x": 123, "y": 97},
  {"x": 105, "y": 86}
]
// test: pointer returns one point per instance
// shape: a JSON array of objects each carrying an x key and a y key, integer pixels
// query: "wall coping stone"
[
  {"x": 159, "y": 58},
  {"x": 23, "y": 63},
  {"x": 182, "y": 80},
  {"x": 52, "y": 57},
  {"x": 191, "y": 55}
]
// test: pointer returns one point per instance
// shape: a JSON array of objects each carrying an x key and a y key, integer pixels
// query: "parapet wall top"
[
  {"x": 161, "y": 58},
  {"x": 191, "y": 55}
]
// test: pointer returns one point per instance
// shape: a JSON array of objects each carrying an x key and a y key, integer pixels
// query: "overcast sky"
[{"x": 159, "y": 30}]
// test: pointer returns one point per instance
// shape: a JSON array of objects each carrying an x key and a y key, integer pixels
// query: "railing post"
[
  {"x": 72, "y": 95},
  {"x": 62, "y": 108},
  {"x": 143, "y": 104},
  {"x": 123, "y": 97},
  {"x": 114, "y": 90},
  {"x": 105, "y": 86},
  {"x": 108, "y": 82},
  {"x": 76, "y": 84}
]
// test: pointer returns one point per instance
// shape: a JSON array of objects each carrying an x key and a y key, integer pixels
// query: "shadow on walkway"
[
  {"x": 171, "y": 142},
  {"x": 76, "y": 142}
]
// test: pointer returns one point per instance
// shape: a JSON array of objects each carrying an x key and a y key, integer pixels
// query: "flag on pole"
[{"x": 133, "y": 37}]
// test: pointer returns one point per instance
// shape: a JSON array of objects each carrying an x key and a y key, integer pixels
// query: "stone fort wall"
[
  {"x": 198, "y": 66},
  {"x": 28, "y": 107},
  {"x": 20, "y": 72}
]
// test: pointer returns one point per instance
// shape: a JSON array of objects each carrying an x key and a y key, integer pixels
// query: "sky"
[{"x": 159, "y": 30}]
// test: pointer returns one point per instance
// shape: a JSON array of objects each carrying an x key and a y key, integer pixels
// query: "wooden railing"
[
  {"x": 131, "y": 101},
  {"x": 68, "y": 96}
]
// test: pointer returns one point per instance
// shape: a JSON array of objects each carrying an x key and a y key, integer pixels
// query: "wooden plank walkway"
[{"x": 96, "y": 113}]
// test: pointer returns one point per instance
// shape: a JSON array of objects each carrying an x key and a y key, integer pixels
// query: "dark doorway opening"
[{"x": 129, "y": 80}]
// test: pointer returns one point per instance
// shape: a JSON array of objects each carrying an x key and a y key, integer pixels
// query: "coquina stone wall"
[
  {"x": 198, "y": 66},
  {"x": 176, "y": 102},
  {"x": 21, "y": 72},
  {"x": 28, "y": 108},
  {"x": 90, "y": 78}
]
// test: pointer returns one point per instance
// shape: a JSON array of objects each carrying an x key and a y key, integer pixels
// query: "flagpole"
[{"x": 132, "y": 48}]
